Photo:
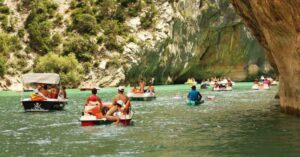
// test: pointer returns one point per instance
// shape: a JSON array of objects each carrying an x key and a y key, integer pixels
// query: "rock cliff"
[
  {"x": 117, "y": 41},
  {"x": 276, "y": 25},
  {"x": 206, "y": 39}
]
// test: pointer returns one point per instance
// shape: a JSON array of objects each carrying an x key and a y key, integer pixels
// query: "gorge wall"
[
  {"x": 276, "y": 26},
  {"x": 206, "y": 39},
  {"x": 111, "y": 42}
]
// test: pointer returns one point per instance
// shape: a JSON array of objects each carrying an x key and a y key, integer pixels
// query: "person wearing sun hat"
[{"x": 120, "y": 103}]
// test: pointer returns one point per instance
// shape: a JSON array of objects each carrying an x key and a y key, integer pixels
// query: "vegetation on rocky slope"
[
  {"x": 86, "y": 30},
  {"x": 68, "y": 67}
]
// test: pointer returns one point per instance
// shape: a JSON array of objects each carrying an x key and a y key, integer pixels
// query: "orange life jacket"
[
  {"x": 36, "y": 97},
  {"x": 94, "y": 111}
]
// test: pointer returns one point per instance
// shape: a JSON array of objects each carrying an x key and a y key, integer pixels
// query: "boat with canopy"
[{"x": 43, "y": 104}]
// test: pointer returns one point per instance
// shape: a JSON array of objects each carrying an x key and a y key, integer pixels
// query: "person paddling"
[{"x": 94, "y": 103}]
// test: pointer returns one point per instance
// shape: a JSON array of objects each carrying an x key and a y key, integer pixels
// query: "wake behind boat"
[{"x": 37, "y": 102}]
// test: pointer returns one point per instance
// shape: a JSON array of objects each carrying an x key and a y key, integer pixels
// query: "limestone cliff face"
[
  {"x": 276, "y": 25},
  {"x": 207, "y": 39}
]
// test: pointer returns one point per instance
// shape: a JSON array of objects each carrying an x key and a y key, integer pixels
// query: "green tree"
[
  {"x": 39, "y": 25},
  {"x": 82, "y": 47},
  {"x": 85, "y": 23},
  {"x": 67, "y": 66}
]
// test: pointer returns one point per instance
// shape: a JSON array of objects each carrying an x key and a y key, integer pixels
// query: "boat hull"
[
  {"x": 46, "y": 105},
  {"x": 264, "y": 87},
  {"x": 222, "y": 89},
  {"x": 141, "y": 97},
  {"x": 90, "y": 120},
  {"x": 123, "y": 122},
  {"x": 95, "y": 122},
  {"x": 190, "y": 83}
]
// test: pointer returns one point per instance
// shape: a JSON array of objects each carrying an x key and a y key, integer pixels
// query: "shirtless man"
[
  {"x": 120, "y": 103},
  {"x": 150, "y": 88},
  {"x": 142, "y": 85}
]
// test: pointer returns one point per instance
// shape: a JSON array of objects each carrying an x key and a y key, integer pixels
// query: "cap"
[
  {"x": 120, "y": 102},
  {"x": 121, "y": 88}
]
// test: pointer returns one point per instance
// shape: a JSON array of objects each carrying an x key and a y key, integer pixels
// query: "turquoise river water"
[{"x": 239, "y": 123}]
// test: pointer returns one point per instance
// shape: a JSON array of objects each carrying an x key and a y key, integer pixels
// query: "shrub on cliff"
[
  {"x": 85, "y": 23},
  {"x": 82, "y": 47},
  {"x": 2, "y": 67},
  {"x": 9, "y": 44},
  {"x": 114, "y": 27},
  {"x": 21, "y": 33},
  {"x": 4, "y": 43},
  {"x": 105, "y": 9},
  {"x": 125, "y": 3},
  {"x": 39, "y": 25},
  {"x": 67, "y": 66},
  {"x": 40, "y": 36},
  {"x": 148, "y": 20},
  {"x": 5, "y": 25},
  {"x": 112, "y": 44},
  {"x": 4, "y": 9}
]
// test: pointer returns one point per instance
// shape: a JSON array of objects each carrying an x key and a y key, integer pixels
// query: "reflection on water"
[{"x": 238, "y": 123}]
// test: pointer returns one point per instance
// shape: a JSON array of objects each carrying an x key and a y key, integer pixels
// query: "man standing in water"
[
  {"x": 194, "y": 95},
  {"x": 120, "y": 103}
]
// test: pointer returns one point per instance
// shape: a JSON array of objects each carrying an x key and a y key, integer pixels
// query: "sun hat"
[{"x": 121, "y": 88}]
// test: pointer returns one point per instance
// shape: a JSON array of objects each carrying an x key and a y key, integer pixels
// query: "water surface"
[{"x": 238, "y": 123}]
